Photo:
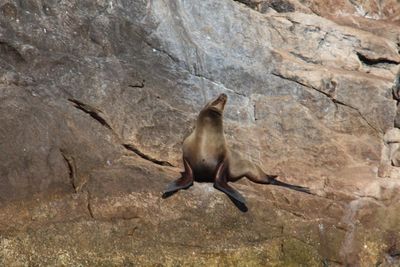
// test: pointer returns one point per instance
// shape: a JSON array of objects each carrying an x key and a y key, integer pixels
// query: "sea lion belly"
[
  {"x": 204, "y": 155},
  {"x": 204, "y": 170}
]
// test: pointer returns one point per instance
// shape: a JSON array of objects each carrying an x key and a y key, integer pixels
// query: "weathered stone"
[{"x": 97, "y": 96}]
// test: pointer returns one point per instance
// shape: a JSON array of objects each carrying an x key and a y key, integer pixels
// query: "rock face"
[{"x": 97, "y": 97}]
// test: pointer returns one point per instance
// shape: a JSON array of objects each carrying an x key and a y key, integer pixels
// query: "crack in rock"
[
  {"x": 71, "y": 168},
  {"x": 92, "y": 111},
  {"x": 250, "y": 3},
  {"x": 374, "y": 61},
  {"x": 396, "y": 87},
  {"x": 140, "y": 85},
  {"x": 135, "y": 150},
  {"x": 187, "y": 69},
  {"x": 174, "y": 59},
  {"x": 89, "y": 205},
  {"x": 255, "y": 112},
  {"x": 334, "y": 100},
  {"x": 359, "y": 113},
  {"x": 305, "y": 58}
]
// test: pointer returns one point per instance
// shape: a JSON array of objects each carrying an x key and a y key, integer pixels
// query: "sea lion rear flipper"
[
  {"x": 303, "y": 189},
  {"x": 271, "y": 179},
  {"x": 184, "y": 182}
]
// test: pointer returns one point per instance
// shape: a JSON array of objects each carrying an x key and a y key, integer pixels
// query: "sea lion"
[{"x": 206, "y": 158}]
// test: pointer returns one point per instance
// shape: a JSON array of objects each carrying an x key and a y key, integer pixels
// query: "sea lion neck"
[{"x": 210, "y": 118}]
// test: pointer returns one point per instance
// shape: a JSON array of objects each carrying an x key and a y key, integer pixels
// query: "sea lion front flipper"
[
  {"x": 184, "y": 182},
  {"x": 234, "y": 195},
  {"x": 221, "y": 184}
]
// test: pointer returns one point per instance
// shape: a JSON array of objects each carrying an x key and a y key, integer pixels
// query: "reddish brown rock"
[{"x": 97, "y": 96}]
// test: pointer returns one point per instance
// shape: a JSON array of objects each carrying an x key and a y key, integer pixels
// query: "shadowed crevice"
[
  {"x": 374, "y": 61},
  {"x": 71, "y": 168},
  {"x": 138, "y": 85},
  {"x": 249, "y": 3},
  {"x": 95, "y": 113},
  {"x": 280, "y": 6},
  {"x": 135, "y": 150},
  {"x": 92, "y": 111},
  {"x": 396, "y": 87},
  {"x": 89, "y": 205}
]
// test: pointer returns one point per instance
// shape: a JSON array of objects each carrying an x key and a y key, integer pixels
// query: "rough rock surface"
[{"x": 97, "y": 96}]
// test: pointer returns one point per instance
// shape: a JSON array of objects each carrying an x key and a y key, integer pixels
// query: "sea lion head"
[
  {"x": 216, "y": 106},
  {"x": 210, "y": 116}
]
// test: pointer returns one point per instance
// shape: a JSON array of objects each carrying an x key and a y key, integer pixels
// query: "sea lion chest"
[{"x": 204, "y": 151}]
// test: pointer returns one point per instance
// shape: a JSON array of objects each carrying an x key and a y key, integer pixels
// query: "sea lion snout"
[
  {"x": 216, "y": 105},
  {"x": 223, "y": 97},
  {"x": 219, "y": 103}
]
